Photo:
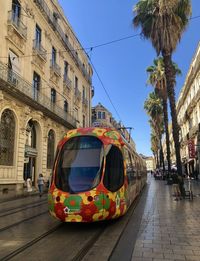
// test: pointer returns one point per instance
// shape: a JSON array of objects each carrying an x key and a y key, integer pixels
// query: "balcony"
[
  {"x": 16, "y": 24},
  {"x": 55, "y": 68},
  {"x": 67, "y": 82},
  {"x": 193, "y": 130},
  {"x": 85, "y": 102},
  {"x": 57, "y": 28},
  {"x": 67, "y": 85},
  {"x": 19, "y": 88},
  {"x": 39, "y": 50},
  {"x": 77, "y": 96}
]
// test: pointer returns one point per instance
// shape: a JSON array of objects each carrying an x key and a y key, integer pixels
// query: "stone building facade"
[
  {"x": 45, "y": 88},
  {"x": 188, "y": 110},
  {"x": 101, "y": 117},
  {"x": 188, "y": 113}
]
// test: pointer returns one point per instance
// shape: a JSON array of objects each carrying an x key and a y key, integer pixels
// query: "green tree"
[
  {"x": 154, "y": 109},
  {"x": 157, "y": 79},
  {"x": 163, "y": 23}
]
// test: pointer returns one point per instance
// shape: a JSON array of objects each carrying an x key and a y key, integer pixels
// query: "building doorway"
[{"x": 31, "y": 153}]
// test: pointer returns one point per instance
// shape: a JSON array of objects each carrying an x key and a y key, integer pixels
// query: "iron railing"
[
  {"x": 67, "y": 82},
  {"x": 77, "y": 94},
  {"x": 15, "y": 84},
  {"x": 15, "y": 21},
  {"x": 37, "y": 46},
  {"x": 85, "y": 101},
  {"x": 57, "y": 28},
  {"x": 55, "y": 67}
]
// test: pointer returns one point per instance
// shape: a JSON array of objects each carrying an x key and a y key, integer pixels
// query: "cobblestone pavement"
[{"x": 169, "y": 229}]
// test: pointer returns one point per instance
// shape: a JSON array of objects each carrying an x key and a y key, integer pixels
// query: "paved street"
[{"x": 169, "y": 230}]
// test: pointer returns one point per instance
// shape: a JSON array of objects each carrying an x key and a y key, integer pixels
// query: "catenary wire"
[{"x": 95, "y": 46}]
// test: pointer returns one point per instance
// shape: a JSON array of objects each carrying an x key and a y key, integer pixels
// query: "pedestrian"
[
  {"x": 40, "y": 182},
  {"x": 175, "y": 186},
  {"x": 29, "y": 185}
]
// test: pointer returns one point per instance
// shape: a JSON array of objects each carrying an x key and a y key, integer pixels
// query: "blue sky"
[{"x": 122, "y": 65}]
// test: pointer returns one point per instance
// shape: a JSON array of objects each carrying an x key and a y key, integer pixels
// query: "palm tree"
[
  {"x": 154, "y": 109},
  {"x": 155, "y": 146},
  {"x": 157, "y": 79},
  {"x": 163, "y": 22}
]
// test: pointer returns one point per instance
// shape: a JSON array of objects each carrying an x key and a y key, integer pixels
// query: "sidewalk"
[
  {"x": 169, "y": 230},
  {"x": 12, "y": 196}
]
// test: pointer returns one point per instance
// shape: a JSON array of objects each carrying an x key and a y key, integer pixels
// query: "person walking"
[{"x": 40, "y": 182}]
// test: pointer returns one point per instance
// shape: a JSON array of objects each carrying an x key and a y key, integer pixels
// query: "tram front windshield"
[{"x": 79, "y": 164}]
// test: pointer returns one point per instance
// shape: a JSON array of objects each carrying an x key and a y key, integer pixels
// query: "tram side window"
[
  {"x": 114, "y": 171},
  {"x": 130, "y": 171}
]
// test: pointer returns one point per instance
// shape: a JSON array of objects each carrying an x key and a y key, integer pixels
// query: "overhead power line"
[
  {"x": 102, "y": 84},
  {"x": 95, "y": 46}
]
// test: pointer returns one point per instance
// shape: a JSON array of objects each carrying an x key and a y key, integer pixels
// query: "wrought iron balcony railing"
[
  {"x": 85, "y": 101},
  {"x": 77, "y": 94},
  {"x": 22, "y": 89},
  {"x": 15, "y": 21},
  {"x": 67, "y": 82},
  {"x": 55, "y": 67},
  {"x": 37, "y": 46},
  {"x": 57, "y": 28}
]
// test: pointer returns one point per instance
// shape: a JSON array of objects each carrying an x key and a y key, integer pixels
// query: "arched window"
[
  {"x": 7, "y": 138},
  {"x": 50, "y": 149}
]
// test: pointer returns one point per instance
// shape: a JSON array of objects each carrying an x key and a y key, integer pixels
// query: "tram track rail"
[
  {"x": 9, "y": 211},
  {"x": 84, "y": 249},
  {"x": 21, "y": 221},
  {"x": 30, "y": 243}
]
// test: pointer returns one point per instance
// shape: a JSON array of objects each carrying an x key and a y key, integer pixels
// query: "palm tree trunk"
[
  {"x": 165, "y": 114},
  {"x": 170, "y": 78},
  {"x": 162, "y": 162}
]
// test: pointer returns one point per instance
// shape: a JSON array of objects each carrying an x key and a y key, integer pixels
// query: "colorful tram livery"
[{"x": 96, "y": 176}]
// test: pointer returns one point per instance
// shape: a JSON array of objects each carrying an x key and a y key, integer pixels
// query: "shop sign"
[{"x": 191, "y": 149}]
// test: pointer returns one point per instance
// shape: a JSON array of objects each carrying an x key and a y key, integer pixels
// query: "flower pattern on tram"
[
  {"x": 73, "y": 202},
  {"x": 59, "y": 210},
  {"x": 87, "y": 212}
]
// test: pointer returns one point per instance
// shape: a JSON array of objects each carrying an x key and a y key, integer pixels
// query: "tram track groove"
[
  {"x": 30, "y": 243},
  {"x": 23, "y": 220},
  {"x": 132, "y": 210},
  {"x": 82, "y": 253},
  {"x": 22, "y": 209}
]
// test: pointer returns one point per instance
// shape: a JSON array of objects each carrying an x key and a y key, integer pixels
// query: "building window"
[
  {"x": 7, "y": 138},
  {"x": 76, "y": 82},
  {"x": 13, "y": 62},
  {"x": 16, "y": 11},
  {"x": 50, "y": 149},
  {"x": 103, "y": 115},
  {"x": 65, "y": 106},
  {"x": 53, "y": 95},
  {"x": 31, "y": 134},
  {"x": 83, "y": 121},
  {"x": 54, "y": 54},
  {"x": 36, "y": 85},
  {"x": 66, "y": 68},
  {"x": 99, "y": 114},
  {"x": 76, "y": 114},
  {"x": 38, "y": 36}
]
